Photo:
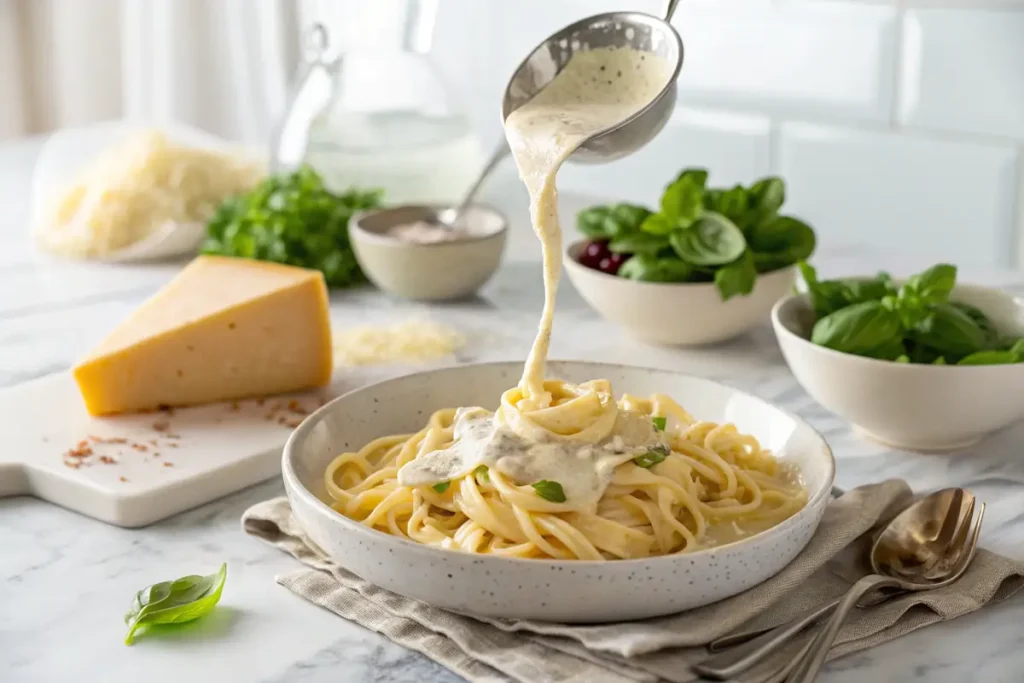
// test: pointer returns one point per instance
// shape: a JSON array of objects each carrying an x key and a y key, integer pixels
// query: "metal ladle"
[{"x": 635, "y": 30}]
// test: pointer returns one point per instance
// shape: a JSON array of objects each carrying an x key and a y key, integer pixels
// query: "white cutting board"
[{"x": 169, "y": 462}]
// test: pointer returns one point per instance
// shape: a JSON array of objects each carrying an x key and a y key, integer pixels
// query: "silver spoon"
[
  {"x": 612, "y": 29},
  {"x": 745, "y": 649},
  {"x": 894, "y": 567}
]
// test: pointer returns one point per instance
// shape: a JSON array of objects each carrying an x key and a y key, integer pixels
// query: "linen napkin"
[{"x": 652, "y": 650}]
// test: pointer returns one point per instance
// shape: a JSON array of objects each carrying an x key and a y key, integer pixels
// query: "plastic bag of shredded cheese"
[{"x": 115, "y": 192}]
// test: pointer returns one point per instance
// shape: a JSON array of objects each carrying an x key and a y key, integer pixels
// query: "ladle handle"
[
  {"x": 671, "y": 9},
  {"x": 807, "y": 670}
]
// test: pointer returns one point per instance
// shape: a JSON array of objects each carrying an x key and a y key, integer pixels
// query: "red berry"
[
  {"x": 612, "y": 263},
  {"x": 593, "y": 252}
]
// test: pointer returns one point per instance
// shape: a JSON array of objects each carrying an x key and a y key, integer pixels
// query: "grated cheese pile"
[
  {"x": 146, "y": 185},
  {"x": 410, "y": 341}
]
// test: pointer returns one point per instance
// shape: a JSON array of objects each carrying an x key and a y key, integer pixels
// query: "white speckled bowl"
[
  {"x": 563, "y": 591},
  {"x": 676, "y": 314},
  {"x": 931, "y": 408}
]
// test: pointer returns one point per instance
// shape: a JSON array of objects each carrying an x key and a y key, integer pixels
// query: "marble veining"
[{"x": 66, "y": 580}]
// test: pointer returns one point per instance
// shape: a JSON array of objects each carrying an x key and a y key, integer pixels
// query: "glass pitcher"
[{"x": 388, "y": 119}]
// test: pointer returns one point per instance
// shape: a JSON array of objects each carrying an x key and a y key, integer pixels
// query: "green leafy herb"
[
  {"x": 481, "y": 474},
  {"x": 703, "y": 234},
  {"x": 950, "y": 331},
  {"x": 989, "y": 358},
  {"x": 713, "y": 240},
  {"x": 292, "y": 219},
  {"x": 638, "y": 243},
  {"x": 861, "y": 329},
  {"x": 737, "y": 278},
  {"x": 441, "y": 487},
  {"x": 914, "y": 323},
  {"x": 550, "y": 490},
  {"x": 652, "y": 457},
  {"x": 174, "y": 602},
  {"x": 653, "y": 269},
  {"x": 660, "y": 423}
]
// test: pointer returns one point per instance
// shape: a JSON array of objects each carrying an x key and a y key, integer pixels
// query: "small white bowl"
[
  {"x": 428, "y": 272},
  {"x": 676, "y": 314},
  {"x": 930, "y": 408},
  {"x": 546, "y": 590}
]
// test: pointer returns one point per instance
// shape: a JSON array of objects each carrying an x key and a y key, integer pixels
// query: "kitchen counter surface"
[{"x": 65, "y": 579}]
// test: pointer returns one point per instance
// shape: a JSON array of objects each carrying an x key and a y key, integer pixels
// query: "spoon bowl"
[{"x": 635, "y": 30}]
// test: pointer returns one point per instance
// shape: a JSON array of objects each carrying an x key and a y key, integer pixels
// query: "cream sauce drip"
[{"x": 596, "y": 90}]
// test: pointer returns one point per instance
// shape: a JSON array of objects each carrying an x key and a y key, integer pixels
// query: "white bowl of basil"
[
  {"x": 706, "y": 266},
  {"x": 923, "y": 364}
]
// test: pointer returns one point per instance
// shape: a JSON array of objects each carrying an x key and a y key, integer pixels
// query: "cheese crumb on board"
[
  {"x": 409, "y": 341},
  {"x": 142, "y": 187}
]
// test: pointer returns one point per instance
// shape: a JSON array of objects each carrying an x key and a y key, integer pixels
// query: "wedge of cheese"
[{"x": 223, "y": 329}]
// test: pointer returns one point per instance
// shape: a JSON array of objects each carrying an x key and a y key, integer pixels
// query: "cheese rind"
[{"x": 224, "y": 329}]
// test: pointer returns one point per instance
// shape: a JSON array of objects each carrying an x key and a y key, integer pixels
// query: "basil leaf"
[
  {"x": 941, "y": 360},
  {"x": 682, "y": 201},
  {"x": 982, "y": 320},
  {"x": 441, "y": 487},
  {"x": 859, "y": 329},
  {"x": 481, "y": 474},
  {"x": 629, "y": 216},
  {"x": 696, "y": 176},
  {"x": 989, "y": 358},
  {"x": 591, "y": 222},
  {"x": 648, "y": 268},
  {"x": 766, "y": 197},
  {"x": 1018, "y": 349},
  {"x": 902, "y": 358},
  {"x": 652, "y": 457},
  {"x": 933, "y": 285},
  {"x": 638, "y": 243},
  {"x": 826, "y": 296},
  {"x": 660, "y": 423},
  {"x": 175, "y": 602},
  {"x": 713, "y": 240},
  {"x": 549, "y": 490},
  {"x": 780, "y": 242},
  {"x": 737, "y": 278},
  {"x": 950, "y": 331},
  {"x": 657, "y": 224},
  {"x": 733, "y": 204}
]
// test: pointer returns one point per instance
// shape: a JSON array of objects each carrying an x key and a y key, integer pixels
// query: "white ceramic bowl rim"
[
  {"x": 310, "y": 421},
  {"x": 804, "y": 299},
  {"x": 500, "y": 226},
  {"x": 572, "y": 254}
]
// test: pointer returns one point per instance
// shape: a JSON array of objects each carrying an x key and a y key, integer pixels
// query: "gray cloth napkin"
[{"x": 655, "y": 649}]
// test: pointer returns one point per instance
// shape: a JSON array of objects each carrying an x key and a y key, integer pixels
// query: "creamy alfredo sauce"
[{"x": 597, "y": 89}]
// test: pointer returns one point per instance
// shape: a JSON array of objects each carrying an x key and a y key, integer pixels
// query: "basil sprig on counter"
[
  {"x": 912, "y": 323},
  {"x": 700, "y": 234},
  {"x": 175, "y": 602},
  {"x": 549, "y": 490}
]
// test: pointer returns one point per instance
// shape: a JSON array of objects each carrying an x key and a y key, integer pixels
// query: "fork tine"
[{"x": 964, "y": 561}]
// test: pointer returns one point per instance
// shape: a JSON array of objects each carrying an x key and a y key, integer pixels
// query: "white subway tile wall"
[{"x": 899, "y": 122}]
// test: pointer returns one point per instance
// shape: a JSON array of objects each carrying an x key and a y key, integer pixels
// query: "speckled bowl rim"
[
  {"x": 378, "y": 238},
  {"x": 571, "y": 262},
  {"x": 803, "y": 299},
  {"x": 293, "y": 485}
]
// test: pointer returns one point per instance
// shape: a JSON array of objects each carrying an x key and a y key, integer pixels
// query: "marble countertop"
[{"x": 65, "y": 579}]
